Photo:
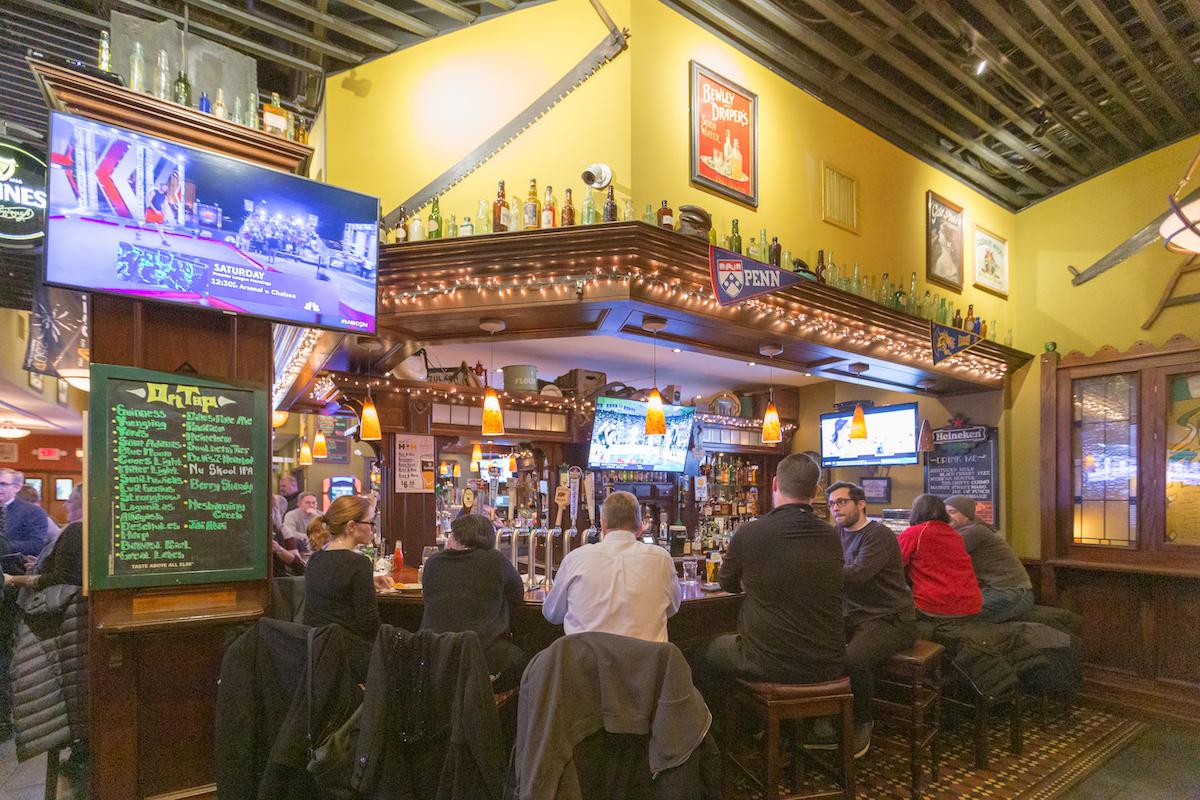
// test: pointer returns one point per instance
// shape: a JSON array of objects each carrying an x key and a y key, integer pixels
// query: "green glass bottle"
[
  {"x": 433, "y": 230},
  {"x": 735, "y": 238},
  {"x": 589, "y": 207},
  {"x": 183, "y": 90},
  {"x": 648, "y": 217}
]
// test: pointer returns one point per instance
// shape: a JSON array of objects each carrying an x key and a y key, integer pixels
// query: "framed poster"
[
  {"x": 876, "y": 490},
  {"x": 724, "y": 136},
  {"x": 63, "y": 488},
  {"x": 991, "y": 262},
  {"x": 943, "y": 242},
  {"x": 61, "y": 392},
  {"x": 35, "y": 381}
]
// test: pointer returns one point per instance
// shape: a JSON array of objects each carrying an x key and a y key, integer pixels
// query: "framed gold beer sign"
[{"x": 724, "y": 136}]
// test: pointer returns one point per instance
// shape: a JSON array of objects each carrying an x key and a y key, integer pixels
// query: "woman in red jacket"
[{"x": 937, "y": 563}]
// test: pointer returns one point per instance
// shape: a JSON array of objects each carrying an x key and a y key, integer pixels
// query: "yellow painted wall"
[
  {"x": 397, "y": 123},
  {"x": 796, "y": 134},
  {"x": 1076, "y": 228}
]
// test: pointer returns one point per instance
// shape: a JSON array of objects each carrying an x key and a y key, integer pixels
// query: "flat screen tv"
[
  {"x": 619, "y": 439},
  {"x": 133, "y": 215},
  {"x": 891, "y": 437}
]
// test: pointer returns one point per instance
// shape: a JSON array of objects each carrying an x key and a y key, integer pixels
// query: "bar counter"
[{"x": 701, "y": 616}]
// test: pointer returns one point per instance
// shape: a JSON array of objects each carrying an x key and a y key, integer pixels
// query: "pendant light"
[
  {"x": 656, "y": 420},
  {"x": 858, "y": 425},
  {"x": 1180, "y": 228},
  {"x": 476, "y": 455},
  {"x": 319, "y": 447},
  {"x": 493, "y": 415},
  {"x": 925, "y": 438},
  {"x": 304, "y": 455},
  {"x": 512, "y": 464},
  {"x": 9, "y": 430},
  {"x": 279, "y": 419},
  {"x": 368, "y": 426},
  {"x": 772, "y": 431}
]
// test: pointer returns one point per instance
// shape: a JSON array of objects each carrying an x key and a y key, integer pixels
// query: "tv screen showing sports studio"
[
  {"x": 619, "y": 439},
  {"x": 142, "y": 217},
  {"x": 891, "y": 437}
]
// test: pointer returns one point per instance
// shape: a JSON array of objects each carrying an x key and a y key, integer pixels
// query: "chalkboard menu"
[
  {"x": 966, "y": 461},
  {"x": 178, "y": 480},
  {"x": 336, "y": 442}
]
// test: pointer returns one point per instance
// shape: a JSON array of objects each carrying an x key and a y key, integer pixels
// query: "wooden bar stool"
[
  {"x": 909, "y": 694},
  {"x": 779, "y": 703}
]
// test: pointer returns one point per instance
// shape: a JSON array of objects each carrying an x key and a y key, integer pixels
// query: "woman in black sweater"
[
  {"x": 472, "y": 587},
  {"x": 339, "y": 586}
]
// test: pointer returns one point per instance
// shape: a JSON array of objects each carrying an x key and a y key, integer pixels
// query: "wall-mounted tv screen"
[
  {"x": 133, "y": 215},
  {"x": 619, "y": 439},
  {"x": 891, "y": 437}
]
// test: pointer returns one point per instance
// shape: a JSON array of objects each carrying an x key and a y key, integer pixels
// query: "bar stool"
[
  {"x": 777, "y": 703},
  {"x": 909, "y": 693}
]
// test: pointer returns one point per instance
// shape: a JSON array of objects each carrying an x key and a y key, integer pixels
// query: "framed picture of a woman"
[{"x": 943, "y": 242}]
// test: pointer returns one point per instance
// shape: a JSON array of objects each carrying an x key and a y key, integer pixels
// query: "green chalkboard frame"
[{"x": 100, "y": 494}]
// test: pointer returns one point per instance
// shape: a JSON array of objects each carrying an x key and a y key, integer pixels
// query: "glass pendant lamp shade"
[
  {"x": 858, "y": 426},
  {"x": 772, "y": 432},
  {"x": 925, "y": 438},
  {"x": 1181, "y": 229},
  {"x": 79, "y": 377},
  {"x": 306, "y": 455},
  {"x": 476, "y": 454},
  {"x": 493, "y": 417},
  {"x": 512, "y": 464},
  {"x": 368, "y": 429},
  {"x": 656, "y": 420},
  {"x": 279, "y": 419},
  {"x": 319, "y": 448}
]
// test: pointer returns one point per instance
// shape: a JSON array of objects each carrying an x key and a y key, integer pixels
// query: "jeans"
[
  {"x": 868, "y": 645},
  {"x": 1001, "y": 605}
]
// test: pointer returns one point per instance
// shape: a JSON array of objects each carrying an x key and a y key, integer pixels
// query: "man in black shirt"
[
  {"x": 880, "y": 617},
  {"x": 789, "y": 564}
]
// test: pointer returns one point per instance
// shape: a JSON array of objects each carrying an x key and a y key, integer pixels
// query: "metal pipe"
[
  {"x": 356, "y": 32},
  {"x": 569, "y": 540},
  {"x": 551, "y": 535},
  {"x": 531, "y": 578}
]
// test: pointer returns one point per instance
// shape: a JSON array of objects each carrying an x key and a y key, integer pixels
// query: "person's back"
[
  {"x": 619, "y": 585},
  {"x": 996, "y": 565},
  {"x": 338, "y": 582},
  {"x": 789, "y": 564},
  {"x": 938, "y": 566}
]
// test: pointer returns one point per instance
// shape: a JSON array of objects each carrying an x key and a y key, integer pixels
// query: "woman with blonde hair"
[{"x": 338, "y": 583}]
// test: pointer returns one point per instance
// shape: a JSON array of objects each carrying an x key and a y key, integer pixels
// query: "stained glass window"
[
  {"x": 1183, "y": 459},
  {"x": 1104, "y": 450}
]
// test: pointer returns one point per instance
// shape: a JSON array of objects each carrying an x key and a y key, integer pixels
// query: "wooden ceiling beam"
[
  {"x": 1108, "y": 25},
  {"x": 1053, "y": 20},
  {"x": 393, "y": 17},
  {"x": 1152, "y": 15},
  {"x": 897, "y": 21},
  {"x": 871, "y": 40},
  {"x": 273, "y": 28},
  {"x": 323, "y": 19},
  {"x": 804, "y": 35},
  {"x": 941, "y": 12},
  {"x": 449, "y": 9},
  {"x": 1000, "y": 20},
  {"x": 811, "y": 75}
]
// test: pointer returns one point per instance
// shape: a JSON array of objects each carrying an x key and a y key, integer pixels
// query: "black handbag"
[{"x": 331, "y": 758}]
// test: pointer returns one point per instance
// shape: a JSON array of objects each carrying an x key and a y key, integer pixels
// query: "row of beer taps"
[{"x": 509, "y": 540}]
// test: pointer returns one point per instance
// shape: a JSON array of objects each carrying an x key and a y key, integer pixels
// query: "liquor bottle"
[
  {"x": 774, "y": 252},
  {"x": 162, "y": 77},
  {"x": 500, "y": 220},
  {"x": 549, "y": 209},
  {"x": 589, "y": 207},
  {"x": 204, "y": 104},
  {"x": 983, "y": 330},
  {"x": 532, "y": 208},
  {"x": 666, "y": 217},
  {"x": 566, "y": 214},
  {"x": 735, "y": 238},
  {"x": 968, "y": 324},
  {"x": 712, "y": 236},
  {"x": 958, "y": 319},
  {"x": 885, "y": 290},
  {"x": 833, "y": 275},
  {"x": 628, "y": 214},
  {"x": 416, "y": 229},
  {"x": 182, "y": 91},
  {"x": 137, "y": 69},
  {"x": 252, "y": 120},
  {"x": 483, "y": 220},
  {"x": 610, "y": 206},
  {"x": 650, "y": 218},
  {"x": 452, "y": 228},
  {"x": 104, "y": 54},
  {"x": 752, "y": 250},
  {"x": 399, "y": 232},
  {"x": 821, "y": 266},
  {"x": 219, "y": 109},
  {"x": 434, "y": 229}
]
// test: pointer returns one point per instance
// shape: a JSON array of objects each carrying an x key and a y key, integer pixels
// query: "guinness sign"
[{"x": 22, "y": 195}]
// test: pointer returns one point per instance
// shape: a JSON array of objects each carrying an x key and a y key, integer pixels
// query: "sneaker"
[
  {"x": 862, "y": 739},
  {"x": 821, "y": 736}
]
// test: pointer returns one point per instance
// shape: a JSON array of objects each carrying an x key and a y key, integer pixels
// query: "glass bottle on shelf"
[
  {"x": 912, "y": 295},
  {"x": 821, "y": 266},
  {"x": 182, "y": 91},
  {"x": 735, "y": 238},
  {"x": 868, "y": 288},
  {"x": 610, "y": 206},
  {"x": 885, "y": 291},
  {"x": 399, "y": 232},
  {"x": 589, "y": 206},
  {"x": 533, "y": 208},
  {"x": 958, "y": 318},
  {"x": 500, "y": 220},
  {"x": 483, "y": 219},
  {"x": 566, "y": 215},
  {"x": 855, "y": 286},
  {"x": 162, "y": 77},
  {"x": 752, "y": 250},
  {"x": 833, "y": 274},
  {"x": 452, "y": 228},
  {"x": 204, "y": 104},
  {"x": 219, "y": 109},
  {"x": 968, "y": 323},
  {"x": 992, "y": 331},
  {"x": 983, "y": 329},
  {"x": 516, "y": 217},
  {"x": 416, "y": 229},
  {"x": 434, "y": 229},
  {"x": 237, "y": 110},
  {"x": 252, "y": 111},
  {"x": 549, "y": 217},
  {"x": 774, "y": 252},
  {"x": 628, "y": 215},
  {"x": 665, "y": 216},
  {"x": 104, "y": 53},
  {"x": 649, "y": 217},
  {"x": 786, "y": 259}
]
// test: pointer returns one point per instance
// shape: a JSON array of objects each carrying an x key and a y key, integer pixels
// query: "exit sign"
[{"x": 49, "y": 454}]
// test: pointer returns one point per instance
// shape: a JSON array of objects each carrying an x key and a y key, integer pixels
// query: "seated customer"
[
  {"x": 878, "y": 603},
  {"x": 470, "y": 586},
  {"x": 939, "y": 569},
  {"x": 1003, "y": 581},
  {"x": 620, "y": 585},
  {"x": 296, "y": 521},
  {"x": 61, "y": 562},
  {"x": 286, "y": 558},
  {"x": 789, "y": 564},
  {"x": 338, "y": 583}
]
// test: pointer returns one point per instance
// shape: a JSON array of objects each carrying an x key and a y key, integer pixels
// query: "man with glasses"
[
  {"x": 25, "y": 524},
  {"x": 878, "y": 604}
]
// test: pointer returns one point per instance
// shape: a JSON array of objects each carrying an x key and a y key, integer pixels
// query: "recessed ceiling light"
[
  {"x": 697, "y": 397},
  {"x": 751, "y": 364},
  {"x": 676, "y": 350}
]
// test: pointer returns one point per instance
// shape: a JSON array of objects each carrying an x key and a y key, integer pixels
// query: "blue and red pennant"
[
  {"x": 736, "y": 278},
  {"x": 946, "y": 341}
]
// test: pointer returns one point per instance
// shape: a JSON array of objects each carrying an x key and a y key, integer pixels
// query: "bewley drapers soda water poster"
[{"x": 724, "y": 136}]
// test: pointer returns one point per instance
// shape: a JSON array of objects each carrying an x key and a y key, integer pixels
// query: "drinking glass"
[
  {"x": 689, "y": 572},
  {"x": 426, "y": 552}
]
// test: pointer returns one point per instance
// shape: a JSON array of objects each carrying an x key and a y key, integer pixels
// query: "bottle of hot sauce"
[
  {"x": 397, "y": 562},
  {"x": 500, "y": 211}
]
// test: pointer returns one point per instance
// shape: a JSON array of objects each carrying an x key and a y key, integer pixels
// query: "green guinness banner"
[{"x": 22, "y": 195}]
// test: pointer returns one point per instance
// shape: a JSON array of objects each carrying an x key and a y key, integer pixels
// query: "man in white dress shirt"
[{"x": 620, "y": 585}]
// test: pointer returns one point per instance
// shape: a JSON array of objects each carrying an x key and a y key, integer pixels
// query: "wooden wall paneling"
[
  {"x": 1152, "y": 449},
  {"x": 1177, "y": 642},
  {"x": 1109, "y": 605},
  {"x": 1050, "y": 472}
]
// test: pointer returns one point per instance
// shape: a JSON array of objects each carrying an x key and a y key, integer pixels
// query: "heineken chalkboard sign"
[
  {"x": 177, "y": 470},
  {"x": 966, "y": 460},
  {"x": 22, "y": 195}
]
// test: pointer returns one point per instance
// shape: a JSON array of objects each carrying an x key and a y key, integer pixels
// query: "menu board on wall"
[
  {"x": 337, "y": 445},
  {"x": 966, "y": 461},
  {"x": 178, "y": 480},
  {"x": 414, "y": 464}
]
